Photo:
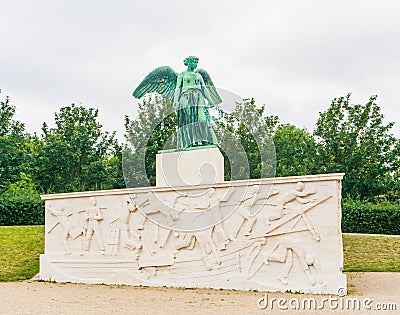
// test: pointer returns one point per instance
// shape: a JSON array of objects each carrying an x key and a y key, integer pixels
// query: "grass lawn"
[
  {"x": 371, "y": 252},
  {"x": 20, "y": 247}
]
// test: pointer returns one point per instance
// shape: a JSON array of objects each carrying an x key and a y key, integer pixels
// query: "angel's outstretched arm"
[{"x": 178, "y": 90}]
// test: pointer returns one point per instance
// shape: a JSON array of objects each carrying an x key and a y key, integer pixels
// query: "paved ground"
[{"x": 31, "y": 297}]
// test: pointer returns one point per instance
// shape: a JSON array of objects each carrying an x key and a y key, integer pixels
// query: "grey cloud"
[{"x": 295, "y": 56}]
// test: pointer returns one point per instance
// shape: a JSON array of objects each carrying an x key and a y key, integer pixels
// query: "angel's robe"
[{"x": 194, "y": 127}]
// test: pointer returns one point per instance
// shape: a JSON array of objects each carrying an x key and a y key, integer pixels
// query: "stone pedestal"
[{"x": 190, "y": 167}]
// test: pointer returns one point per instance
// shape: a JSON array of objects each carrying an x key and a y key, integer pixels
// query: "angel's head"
[{"x": 191, "y": 62}]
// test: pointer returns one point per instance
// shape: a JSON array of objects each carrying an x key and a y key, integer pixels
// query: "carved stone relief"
[{"x": 283, "y": 238}]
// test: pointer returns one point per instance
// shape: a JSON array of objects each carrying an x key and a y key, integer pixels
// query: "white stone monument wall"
[{"x": 273, "y": 234}]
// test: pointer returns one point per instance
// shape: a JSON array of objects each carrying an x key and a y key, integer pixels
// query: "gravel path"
[{"x": 32, "y": 297}]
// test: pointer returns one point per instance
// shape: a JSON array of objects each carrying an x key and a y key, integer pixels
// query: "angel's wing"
[
  {"x": 210, "y": 85},
  {"x": 161, "y": 80}
]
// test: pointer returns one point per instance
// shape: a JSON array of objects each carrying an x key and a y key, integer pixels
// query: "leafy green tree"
[
  {"x": 353, "y": 139},
  {"x": 393, "y": 177},
  {"x": 15, "y": 146},
  {"x": 295, "y": 151},
  {"x": 152, "y": 130},
  {"x": 245, "y": 138},
  {"x": 76, "y": 154}
]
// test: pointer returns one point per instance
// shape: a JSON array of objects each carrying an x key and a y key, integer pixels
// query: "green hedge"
[
  {"x": 19, "y": 210},
  {"x": 363, "y": 217}
]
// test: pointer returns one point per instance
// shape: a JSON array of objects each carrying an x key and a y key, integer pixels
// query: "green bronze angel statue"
[{"x": 192, "y": 93}]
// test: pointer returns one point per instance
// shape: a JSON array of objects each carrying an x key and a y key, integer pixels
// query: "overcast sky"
[{"x": 292, "y": 56}]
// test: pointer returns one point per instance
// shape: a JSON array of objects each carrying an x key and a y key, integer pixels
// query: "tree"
[
  {"x": 245, "y": 138},
  {"x": 76, "y": 154},
  {"x": 295, "y": 151},
  {"x": 354, "y": 140},
  {"x": 153, "y": 129},
  {"x": 15, "y": 146},
  {"x": 393, "y": 177}
]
